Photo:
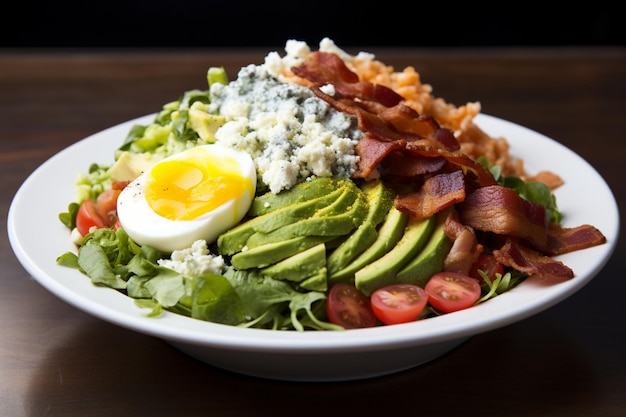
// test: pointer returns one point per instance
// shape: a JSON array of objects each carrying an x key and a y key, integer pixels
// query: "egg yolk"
[{"x": 187, "y": 187}]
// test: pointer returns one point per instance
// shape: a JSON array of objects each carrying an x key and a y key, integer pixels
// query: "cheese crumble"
[
  {"x": 290, "y": 133},
  {"x": 194, "y": 261}
]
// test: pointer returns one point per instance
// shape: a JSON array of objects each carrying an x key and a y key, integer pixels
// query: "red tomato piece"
[
  {"x": 349, "y": 308},
  {"x": 106, "y": 204},
  {"x": 88, "y": 217},
  {"x": 398, "y": 303},
  {"x": 451, "y": 291},
  {"x": 489, "y": 265}
]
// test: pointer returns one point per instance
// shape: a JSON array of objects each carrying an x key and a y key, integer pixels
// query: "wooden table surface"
[{"x": 56, "y": 360}]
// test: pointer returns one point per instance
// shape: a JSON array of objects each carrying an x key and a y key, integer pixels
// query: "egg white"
[{"x": 146, "y": 227}]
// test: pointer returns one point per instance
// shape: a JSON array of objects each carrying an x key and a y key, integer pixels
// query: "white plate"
[{"x": 38, "y": 238}]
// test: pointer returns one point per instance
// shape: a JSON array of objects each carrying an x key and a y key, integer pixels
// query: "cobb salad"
[{"x": 316, "y": 191}]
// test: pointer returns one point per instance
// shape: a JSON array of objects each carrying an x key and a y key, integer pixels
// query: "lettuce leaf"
[{"x": 242, "y": 298}]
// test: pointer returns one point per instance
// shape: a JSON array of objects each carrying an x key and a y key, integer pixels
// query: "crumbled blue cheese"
[
  {"x": 290, "y": 133},
  {"x": 194, "y": 261}
]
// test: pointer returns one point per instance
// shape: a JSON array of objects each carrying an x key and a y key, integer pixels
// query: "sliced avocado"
[
  {"x": 389, "y": 233},
  {"x": 345, "y": 202},
  {"x": 271, "y": 253},
  {"x": 299, "y": 193},
  {"x": 300, "y": 266},
  {"x": 317, "y": 282},
  {"x": 430, "y": 260},
  {"x": 234, "y": 240},
  {"x": 296, "y": 212},
  {"x": 355, "y": 244},
  {"x": 383, "y": 271},
  {"x": 317, "y": 225},
  {"x": 380, "y": 200},
  {"x": 336, "y": 241}
]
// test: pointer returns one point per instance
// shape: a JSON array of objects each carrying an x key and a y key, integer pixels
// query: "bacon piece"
[
  {"x": 371, "y": 152},
  {"x": 397, "y": 164},
  {"x": 446, "y": 138},
  {"x": 564, "y": 240},
  {"x": 405, "y": 121},
  {"x": 500, "y": 210},
  {"x": 369, "y": 121},
  {"x": 441, "y": 143},
  {"x": 465, "y": 247},
  {"x": 399, "y": 122},
  {"x": 324, "y": 67},
  {"x": 483, "y": 176},
  {"x": 437, "y": 193},
  {"x": 527, "y": 260},
  {"x": 380, "y": 128},
  {"x": 328, "y": 68}
]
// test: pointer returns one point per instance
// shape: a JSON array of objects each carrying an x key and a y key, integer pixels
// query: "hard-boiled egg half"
[{"x": 195, "y": 194}]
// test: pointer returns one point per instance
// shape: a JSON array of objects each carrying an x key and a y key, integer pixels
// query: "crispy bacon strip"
[
  {"x": 369, "y": 121},
  {"x": 527, "y": 260},
  {"x": 500, "y": 210},
  {"x": 328, "y": 68},
  {"x": 564, "y": 240},
  {"x": 372, "y": 152},
  {"x": 399, "y": 122},
  {"x": 437, "y": 193},
  {"x": 406, "y": 122},
  {"x": 483, "y": 176},
  {"x": 396, "y": 164},
  {"x": 465, "y": 247}
]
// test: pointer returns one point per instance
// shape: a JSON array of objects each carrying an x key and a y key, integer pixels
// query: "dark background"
[{"x": 227, "y": 23}]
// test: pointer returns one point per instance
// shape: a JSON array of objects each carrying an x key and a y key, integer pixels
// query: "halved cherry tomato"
[
  {"x": 489, "y": 265},
  {"x": 101, "y": 213},
  {"x": 451, "y": 291},
  {"x": 348, "y": 307},
  {"x": 107, "y": 206},
  {"x": 88, "y": 217},
  {"x": 398, "y": 303}
]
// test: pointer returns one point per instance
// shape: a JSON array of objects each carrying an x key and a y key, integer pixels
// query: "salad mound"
[{"x": 375, "y": 202}]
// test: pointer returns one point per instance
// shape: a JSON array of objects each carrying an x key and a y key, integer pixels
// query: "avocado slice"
[
  {"x": 234, "y": 240},
  {"x": 352, "y": 246},
  {"x": 380, "y": 200},
  {"x": 317, "y": 225},
  {"x": 299, "y": 193},
  {"x": 389, "y": 233},
  {"x": 344, "y": 202},
  {"x": 317, "y": 282},
  {"x": 299, "y": 267},
  {"x": 430, "y": 260},
  {"x": 271, "y": 253},
  {"x": 383, "y": 271}
]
